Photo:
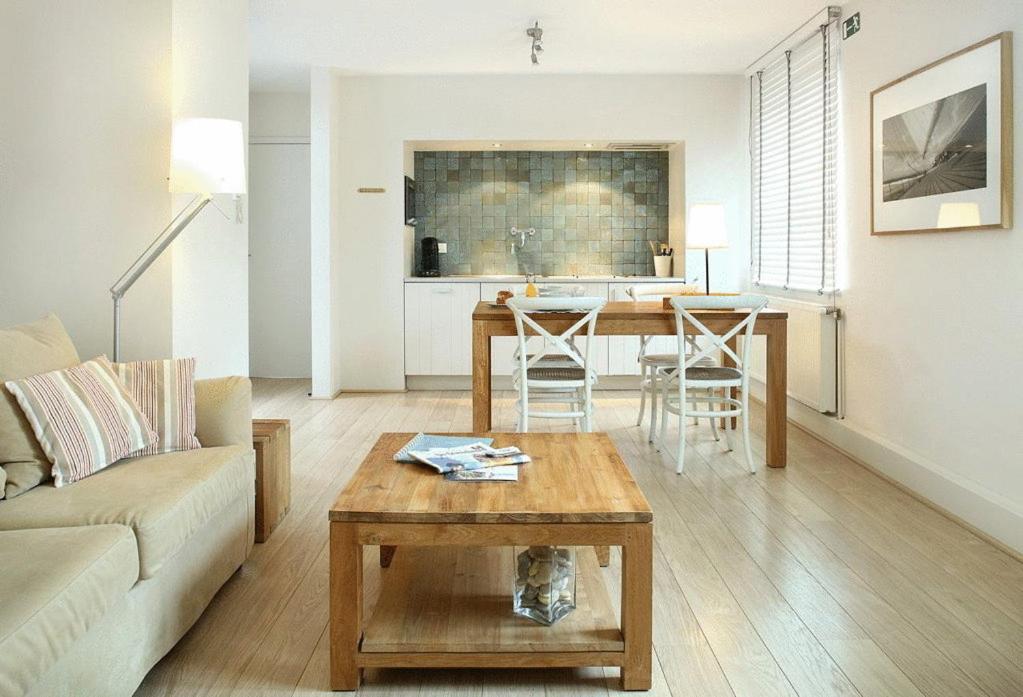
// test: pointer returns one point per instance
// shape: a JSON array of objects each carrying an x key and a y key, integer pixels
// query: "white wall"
[
  {"x": 325, "y": 241},
  {"x": 210, "y": 259},
  {"x": 87, "y": 97},
  {"x": 279, "y": 253},
  {"x": 934, "y": 322},
  {"x": 277, "y": 114},
  {"x": 84, "y": 146},
  {"x": 368, "y": 119}
]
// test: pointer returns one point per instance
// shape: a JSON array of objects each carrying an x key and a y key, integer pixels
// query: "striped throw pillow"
[
  {"x": 83, "y": 418},
  {"x": 165, "y": 391}
]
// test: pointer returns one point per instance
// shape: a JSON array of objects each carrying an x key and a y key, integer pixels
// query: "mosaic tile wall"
[{"x": 595, "y": 213}]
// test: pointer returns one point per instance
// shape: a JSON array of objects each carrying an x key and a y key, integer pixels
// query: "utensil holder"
[{"x": 662, "y": 266}]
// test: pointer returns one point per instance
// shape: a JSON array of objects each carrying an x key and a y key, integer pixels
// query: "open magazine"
[{"x": 474, "y": 462}]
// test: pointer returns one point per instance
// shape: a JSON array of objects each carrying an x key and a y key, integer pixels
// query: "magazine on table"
[
  {"x": 474, "y": 456},
  {"x": 427, "y": 441},
  {"x": 500, "y": 473}
]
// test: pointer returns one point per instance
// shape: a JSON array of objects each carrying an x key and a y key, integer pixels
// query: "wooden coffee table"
[{"x": 445, "y": 601}]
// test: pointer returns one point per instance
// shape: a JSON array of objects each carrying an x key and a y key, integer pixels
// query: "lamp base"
[{"x": 706, "y": 270}]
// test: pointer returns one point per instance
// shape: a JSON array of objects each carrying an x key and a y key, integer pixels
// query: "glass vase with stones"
[{"x": 544, "y": 583}]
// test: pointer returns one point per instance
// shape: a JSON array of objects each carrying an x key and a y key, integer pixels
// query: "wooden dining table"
[{"x": 642, "y": 318}]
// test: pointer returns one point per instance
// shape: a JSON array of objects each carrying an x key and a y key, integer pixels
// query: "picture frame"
[{"x": 941, "y": 144}]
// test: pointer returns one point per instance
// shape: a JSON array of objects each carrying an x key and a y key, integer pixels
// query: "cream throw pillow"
[
  {"x": 83, "y": 418},
  {"x": 165, "y": 391},
  {"x": 27, "y": 349}
]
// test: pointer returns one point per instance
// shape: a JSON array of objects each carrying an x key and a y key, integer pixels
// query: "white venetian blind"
[{"x": 793, "y": 126}]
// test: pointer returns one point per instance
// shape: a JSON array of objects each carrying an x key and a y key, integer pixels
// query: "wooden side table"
[{"x": 271, "y": 439}]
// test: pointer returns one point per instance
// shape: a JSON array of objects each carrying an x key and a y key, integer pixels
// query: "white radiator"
[{"x": 812, "y": 353}]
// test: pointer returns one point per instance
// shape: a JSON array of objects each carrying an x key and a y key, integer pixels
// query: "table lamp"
[
  {"x": 207, "y": 157},
  {"x": 705, "y": 230}
]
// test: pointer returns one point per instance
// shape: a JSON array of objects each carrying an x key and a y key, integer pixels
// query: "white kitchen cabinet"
[
  {"x": 624, "y": 350},
  {"x": 503, "y": 347},
  {"x": 438, "y": 328}
]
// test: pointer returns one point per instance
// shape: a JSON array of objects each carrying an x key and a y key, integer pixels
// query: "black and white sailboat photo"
[{"x": 937, "y": 148}]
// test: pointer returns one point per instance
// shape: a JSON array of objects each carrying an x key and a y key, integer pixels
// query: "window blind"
[{"x": 793, "y": 129}]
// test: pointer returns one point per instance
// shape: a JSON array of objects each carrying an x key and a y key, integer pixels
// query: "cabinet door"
[
  {"x": 599, "y": 353},
  {"x": 438, "y": 328},
  {"x": 622, "y": 351},
  {"x": 502, "y": 348}
]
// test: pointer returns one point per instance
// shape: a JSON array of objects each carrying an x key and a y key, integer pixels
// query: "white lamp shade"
[
  {"x": 958, "y": 215},
  {"x": 705, "y": 228},
  {"x": 207, "y": 157}
]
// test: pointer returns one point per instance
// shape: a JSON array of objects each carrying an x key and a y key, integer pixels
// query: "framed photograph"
[{"x": 941, "y": 144}]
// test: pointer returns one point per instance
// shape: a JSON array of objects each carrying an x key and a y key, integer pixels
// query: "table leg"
[
  {"x": 345, "y": 606},
  {"x": 603, "y": 555},
  {"x": 637, "y": 607},
  {"x": 777, "y": 387},
  {"x": 481, "y": 397}
]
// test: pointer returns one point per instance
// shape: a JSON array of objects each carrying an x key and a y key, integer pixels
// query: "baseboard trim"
[
  {"x": 324, "y": 397},
  {"x": 985, "y": 513}
]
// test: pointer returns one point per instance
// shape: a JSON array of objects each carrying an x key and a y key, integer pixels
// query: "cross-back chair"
[
  {"x": 568, "y": 378},
  {"x": 679, "y": 382},
  {"x": 650, "y": 363}
]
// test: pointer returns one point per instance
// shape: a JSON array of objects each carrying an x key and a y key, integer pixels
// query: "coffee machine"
[{"x": 429, "y": 257}]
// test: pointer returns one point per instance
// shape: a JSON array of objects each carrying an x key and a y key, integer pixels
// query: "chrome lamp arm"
[{"x": 146, "y": 259}]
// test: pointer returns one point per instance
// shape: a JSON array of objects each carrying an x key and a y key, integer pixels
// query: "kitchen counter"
[{"x": 541, "y": 279}]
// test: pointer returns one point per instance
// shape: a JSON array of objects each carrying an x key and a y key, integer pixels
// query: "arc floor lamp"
[{"x": 207, "y": 157}]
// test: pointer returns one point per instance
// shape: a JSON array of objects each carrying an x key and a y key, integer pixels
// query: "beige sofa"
[{"x": 100, "y": 578}]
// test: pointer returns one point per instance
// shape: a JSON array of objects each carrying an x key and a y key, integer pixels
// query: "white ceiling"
[{"x": 486, "y": 36}]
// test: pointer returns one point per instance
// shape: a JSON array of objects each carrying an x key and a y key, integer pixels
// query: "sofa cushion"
[
  {"x": 57, "y": 584},
  {"x": 165, "y": 391},
  {"x": 164, "y": 499},
  {"x": 28, "y": 349},
  {"x": 83, "y": 417}
]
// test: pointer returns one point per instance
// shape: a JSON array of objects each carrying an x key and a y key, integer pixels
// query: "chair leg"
[
  {"x": 524, "y": 410},
  {"x": 665, "y": 414},
  {"x": 713, "y": 421},
  {"x": 642, "y": 393},
  {"x": 588, "y": 408},
  {"x": 681, "y": 461},
  {"x": 655, "y": 384},
  {"x": 729, "y": 431},
  {"x": 745, "y": 433}
]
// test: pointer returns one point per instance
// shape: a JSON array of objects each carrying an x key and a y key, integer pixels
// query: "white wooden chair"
[
  {"x": 649, "y": 363},
  {"x": 559, "y": 372},
  {"x": 678, "y": 382}
]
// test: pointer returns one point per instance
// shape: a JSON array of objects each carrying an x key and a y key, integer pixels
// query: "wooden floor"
[{"x": 820, "y": 579}]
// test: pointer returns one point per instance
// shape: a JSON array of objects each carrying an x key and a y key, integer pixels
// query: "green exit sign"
[{"x": 850, "y": 26}]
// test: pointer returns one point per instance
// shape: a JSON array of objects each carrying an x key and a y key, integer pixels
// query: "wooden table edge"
[{"x": 371, "y": 517}]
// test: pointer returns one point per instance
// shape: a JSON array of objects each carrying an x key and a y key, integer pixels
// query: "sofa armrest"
[{"x": 223, "y": 411}]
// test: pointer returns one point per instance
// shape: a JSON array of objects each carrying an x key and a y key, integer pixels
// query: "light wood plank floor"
[{"x": 820, "y": 579}]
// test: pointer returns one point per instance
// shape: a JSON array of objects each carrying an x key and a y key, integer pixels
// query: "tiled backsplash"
[{"x": 594, "y": 212}]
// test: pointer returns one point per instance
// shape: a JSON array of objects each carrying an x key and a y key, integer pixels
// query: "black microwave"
[{"x": 410, "y": 201}]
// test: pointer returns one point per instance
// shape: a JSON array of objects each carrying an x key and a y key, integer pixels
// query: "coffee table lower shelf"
[{"x": 452, "y": 607}]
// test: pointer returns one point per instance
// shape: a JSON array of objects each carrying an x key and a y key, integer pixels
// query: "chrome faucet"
[{"x": 521, "y": 234}]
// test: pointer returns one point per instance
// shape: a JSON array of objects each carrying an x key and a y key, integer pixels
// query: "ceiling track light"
[{"x": 536, "y": 34}]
